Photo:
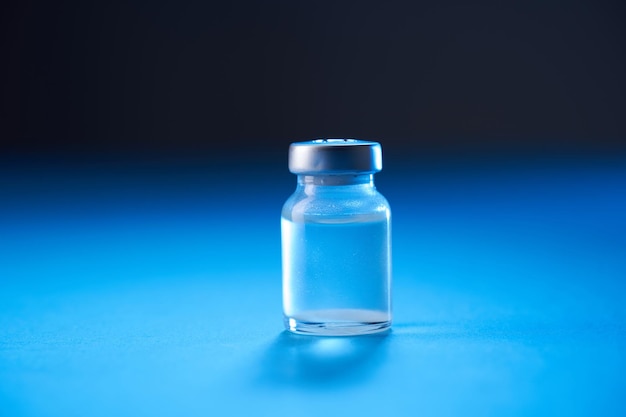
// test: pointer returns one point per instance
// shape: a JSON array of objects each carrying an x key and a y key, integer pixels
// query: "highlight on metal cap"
[{"x": 335, "y": 156}]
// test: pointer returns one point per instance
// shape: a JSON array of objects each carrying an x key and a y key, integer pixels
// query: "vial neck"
[{"x": 336, "y": 180}]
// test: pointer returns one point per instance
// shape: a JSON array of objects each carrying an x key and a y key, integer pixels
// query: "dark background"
[{"x": 197, "y": 79}]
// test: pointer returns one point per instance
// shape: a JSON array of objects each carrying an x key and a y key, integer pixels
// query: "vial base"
[{"x": 338, "y": 322}]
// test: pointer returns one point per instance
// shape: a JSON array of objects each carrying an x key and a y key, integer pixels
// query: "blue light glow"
[{"x": 121, "y": 299}]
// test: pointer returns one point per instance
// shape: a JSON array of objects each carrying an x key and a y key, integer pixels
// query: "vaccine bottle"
[{"x": 336, "y": 240}]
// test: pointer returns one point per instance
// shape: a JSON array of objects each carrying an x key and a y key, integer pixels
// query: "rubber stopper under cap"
[{"x": 335, "y": 156}]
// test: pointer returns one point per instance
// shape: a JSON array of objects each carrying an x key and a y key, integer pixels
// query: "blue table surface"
[{"x": 154, "y": 292}]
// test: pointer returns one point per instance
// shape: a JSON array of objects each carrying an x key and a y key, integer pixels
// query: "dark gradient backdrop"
[
  {"x": 194, "y": 77},
  {"x": 143, "y": 164}
]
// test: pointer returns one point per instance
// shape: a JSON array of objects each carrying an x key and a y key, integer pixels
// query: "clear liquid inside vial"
[{"x": 336, "y": 275}]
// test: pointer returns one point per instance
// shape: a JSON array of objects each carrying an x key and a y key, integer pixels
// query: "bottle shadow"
[{"x": 323, "y": 362}]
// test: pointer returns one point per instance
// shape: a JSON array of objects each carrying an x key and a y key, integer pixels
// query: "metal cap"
[{"x": 335, "y": 156}]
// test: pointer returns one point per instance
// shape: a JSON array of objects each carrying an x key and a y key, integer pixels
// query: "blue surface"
[{"x": 151, "y": 293}]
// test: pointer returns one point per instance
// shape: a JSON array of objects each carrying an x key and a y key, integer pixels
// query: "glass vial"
[{"x": 336, "y": 240}]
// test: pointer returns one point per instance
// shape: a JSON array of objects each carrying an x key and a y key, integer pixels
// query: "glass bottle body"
[{"x": 336, "y": 250}]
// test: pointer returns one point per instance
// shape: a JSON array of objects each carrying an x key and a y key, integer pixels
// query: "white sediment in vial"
[{"x": 337, "y": 271}]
